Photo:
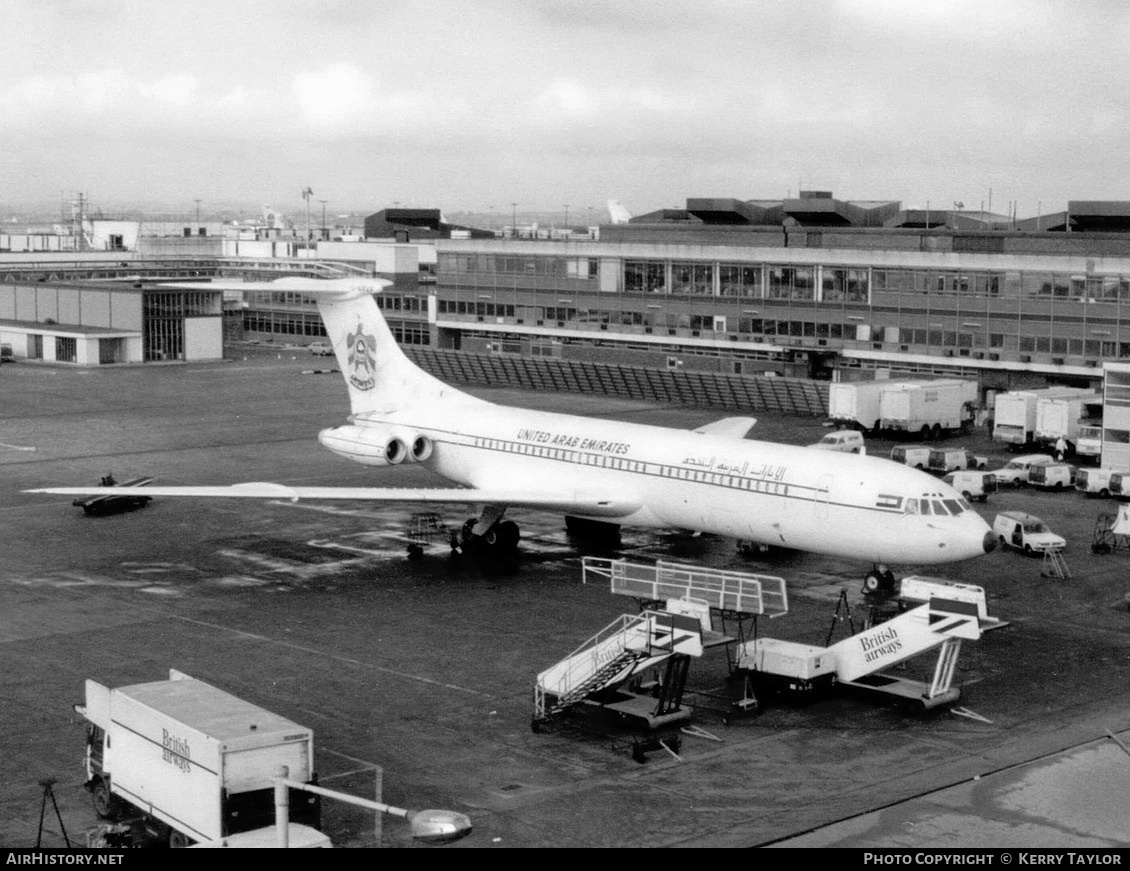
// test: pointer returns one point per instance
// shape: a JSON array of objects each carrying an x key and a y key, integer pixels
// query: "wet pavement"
[{"x": 425, "y": 668}]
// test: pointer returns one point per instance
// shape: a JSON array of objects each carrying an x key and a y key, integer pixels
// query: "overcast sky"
[{"x": 468, "y": 104}]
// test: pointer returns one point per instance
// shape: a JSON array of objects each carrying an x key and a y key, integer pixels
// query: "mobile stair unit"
[{"x": 864, "y": 660}]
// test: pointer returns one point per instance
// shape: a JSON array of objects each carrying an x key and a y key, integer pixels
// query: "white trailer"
[
  {"x": 855, "y": 404},
  {"x": 930, "y": 407},
  {"x": 191, "y": 763},
  {"x": 1060, "y": 417},
  {"x": 1014, "y": 415}
]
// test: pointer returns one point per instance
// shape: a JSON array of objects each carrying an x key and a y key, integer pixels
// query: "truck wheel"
[
  {"x": 177, "y": 840},
  {"x": 106, "y": 804}
]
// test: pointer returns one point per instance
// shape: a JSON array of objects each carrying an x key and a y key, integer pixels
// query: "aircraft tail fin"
[
  {"x": 378, "y": 375},
  {"x": 618, "y": 213}
]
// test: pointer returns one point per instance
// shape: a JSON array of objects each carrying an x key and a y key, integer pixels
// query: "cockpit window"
[
  {"x": 965, "y": 506},
  {"x": 953, "y": 505},
  {"x": 910, "y": 506},
  {"x": 924, "y": 506},
  {"x": 939, "y": 508}
]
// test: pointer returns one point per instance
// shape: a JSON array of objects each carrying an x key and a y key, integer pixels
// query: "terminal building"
[{"x": 807, "y": 288}]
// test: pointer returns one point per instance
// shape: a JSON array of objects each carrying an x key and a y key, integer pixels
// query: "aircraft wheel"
[
  {"x": 508, "y": 536},
  {"x": 466, "y": 534},
  {"x": 872, "y": 583}
]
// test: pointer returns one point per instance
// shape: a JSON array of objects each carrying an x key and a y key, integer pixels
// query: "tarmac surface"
[{"x": 426, "y": 668}]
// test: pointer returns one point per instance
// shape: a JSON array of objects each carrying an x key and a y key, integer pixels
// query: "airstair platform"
[{"x": 721, "y": 589}]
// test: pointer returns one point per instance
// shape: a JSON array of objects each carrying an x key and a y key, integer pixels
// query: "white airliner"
[{"x": 712, "y": 479}]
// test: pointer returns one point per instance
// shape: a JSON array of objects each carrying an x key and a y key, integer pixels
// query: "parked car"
[
  {"x": 1052, "y": 476},
  {"x": 1026, "y": 532},
  {"x": 911, "y": 455},
  {"x": 1015, "y": 473},
  {"x": 848, "y": 441},
  {"x": 321, "y": 349},
  {"x": 972, "y": 484},
  {"x": 944, "y": 460}
]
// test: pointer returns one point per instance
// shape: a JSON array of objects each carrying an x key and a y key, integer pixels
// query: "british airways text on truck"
[{"x": 187, "y": 762}]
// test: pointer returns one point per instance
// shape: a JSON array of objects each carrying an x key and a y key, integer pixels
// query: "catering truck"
[
  {"x": 855, "y": 404},
  {"x": 1060, "y": 417},
  {"x": 930, "y": 408},
  {"x": 1014, "y": 415},
  {"x": 182, "y": 762}
]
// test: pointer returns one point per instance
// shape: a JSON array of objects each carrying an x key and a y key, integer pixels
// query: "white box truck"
[
  {"x": 186, "y": 762},
  {"x": 1060, "y": 417},
  {"x": 1089, "y": 442},
  {"x": 855, "y": 404},
  {"x": 1014, "y": 415},
  {"x": 930, "y": 407}
]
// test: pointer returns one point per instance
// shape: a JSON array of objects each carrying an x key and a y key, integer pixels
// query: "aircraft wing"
[
  {"x": 735, "y": 427},
  {"x": 588, "y": 503}
]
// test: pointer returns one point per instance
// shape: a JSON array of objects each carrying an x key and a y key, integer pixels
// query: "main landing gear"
[{"x": 488, "y": 533}]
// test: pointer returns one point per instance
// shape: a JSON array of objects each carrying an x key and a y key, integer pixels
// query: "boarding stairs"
[
  {"x": 863, "y": 660},
  {"x": 727, "y": 597},
  {"x": 629, "y": 645}
]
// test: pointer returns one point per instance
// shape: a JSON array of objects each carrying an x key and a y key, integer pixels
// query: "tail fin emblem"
[{"x": 362, "y": 359}]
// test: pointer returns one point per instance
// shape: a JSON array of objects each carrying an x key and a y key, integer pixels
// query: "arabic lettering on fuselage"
[{"x": 569, "y": 440}]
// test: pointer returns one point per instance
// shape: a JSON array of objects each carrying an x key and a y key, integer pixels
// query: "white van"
[
  {"x": 1052, "y": 476},
  {"x": 1025, "y": 532},
  {"x": 972, "y": 485},
  {"x": 911, "y": 455},
  {"x": 1015, "y": 472},
  {"x": 1094, "y": 482},
  {"x": 849, "y": 441},
  {"x": 944, "y": 460}
]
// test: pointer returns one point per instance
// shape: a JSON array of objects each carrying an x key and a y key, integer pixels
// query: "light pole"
[
  {"x": 514, "y": 219},
  {"x": 306, "y": 194},
  {"x": 492, "y": 219},
  {"x": 566, "y": 218},
  {"x": 197, "y": 212},
  {"x": 323, "y": 202}
]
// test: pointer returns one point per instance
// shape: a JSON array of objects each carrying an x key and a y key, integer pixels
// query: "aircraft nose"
[{"x": 989, "y": 542}]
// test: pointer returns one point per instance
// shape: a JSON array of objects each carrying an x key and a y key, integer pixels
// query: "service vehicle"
[
  {"x": 972, "y": 484},
  {"x": 321, "y": 349},
  {"x": 1089, "y": 443},
  {"x": 1120, "y": 485},
  {"x": 855, "y": 404},
  {"x": 930, "y": 408},
  {"x": 951, "y": 459},
  {"x": 1052, "y": 476},
  {"x": 1014, "y": 413},
  {"x": 1094, "y": 482},
  {"x": 848, "y": 441},
  {"x": 911, "y": 455},
  {"x": 92, "y": 505},
  {"x": 1060, "y": 417},
  {"x": 1015, "y": 471},
  {"x": 1026, "y": 532},
  {"x": 188, "y": 762}
]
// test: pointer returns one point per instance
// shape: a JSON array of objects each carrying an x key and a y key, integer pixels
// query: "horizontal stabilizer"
[
  {"x": 735, "y": 427},
  {"x": 581, "y": 503}
]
